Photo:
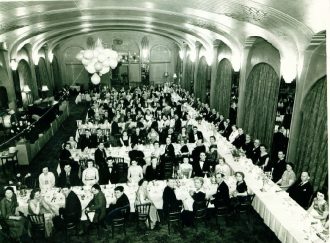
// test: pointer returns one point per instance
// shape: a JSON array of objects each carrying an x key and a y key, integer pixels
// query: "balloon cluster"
[{"x": 98, "y": 61}]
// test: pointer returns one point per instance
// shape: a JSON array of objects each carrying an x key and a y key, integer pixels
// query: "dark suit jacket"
[
  {"x": 153, "y": 174},
  {"x": 221, "y": 198},
  {"x": 301, "y": 194},
  {"x": 85, "y": 141},
  {"x": 278, "y": 170},
  {"x": 255, "y": 154},
  {"x": 122, "y": 202},
  {"x": 72, "y": 209},
  {"x": 99, "y": 205},
  {"x": 196, "y": 152},
  {"x": 239, "y": 141},
  {"x": 169, "y": 200},
  {"x": 248, "y": 148},
  {"x": 100, "y": 158},
  {"x": 198, "y": 171},
  {"x": 114, "y": 128},
  {"x": 169, "y": 151},
  {"x": 73, "y": 178},
  {"x": 192, "y": 136}
]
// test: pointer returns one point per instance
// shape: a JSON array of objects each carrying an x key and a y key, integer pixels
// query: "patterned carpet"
[{"x": 234, "y": 228}]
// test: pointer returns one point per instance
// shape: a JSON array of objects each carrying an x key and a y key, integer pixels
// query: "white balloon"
[
  {"x": 113, "y": 63},
  {"x": 98, "y": 66},
  {"x": 107, "y": 52},
  {"x": 113, "y": 66},
  {"x": 90, "y": 68},
  {"x": 88, "y": 54},
  {"x": 95, "y": 79},
  {"x": 80, "y": 56},
  {"x": 106, "y": 63},
  {"x": 105, "y": 70},
  {"x": 96, "y": 53},
  {"x": 85, "y": 61},
  {"x": 102, "y": 57}
]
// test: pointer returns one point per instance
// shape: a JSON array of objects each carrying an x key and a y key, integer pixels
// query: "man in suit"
[
  {"x": 121, "y": 202},
  {"x": 170, "y": 202},
  {"x": 72, "y": 208},
  {"x": 68, "y": 177},
  {"x": 255, "y": 153},
  {"x": 247, "y": 147},
  {"x": 221, "y": 198},
  {"x": 100, "y": 160},
  {"x": 279, "y": 167},
  {"x": 200, "y": 167},
  {"x": 85, "y": 140},
  {"x": 195, "y": 135},
  {"x": 240, "y": 139},
  {"x": 169, "y": 149},
  {"x": 138, "y": 137},
  {"x": 302, "y": 190},
  {"x": 200, "y": 147},
  {"x": 136, "y": 154},
  {"x": 98, "y": 205}
]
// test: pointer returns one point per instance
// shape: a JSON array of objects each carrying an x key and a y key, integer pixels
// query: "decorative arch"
[
  {"x": 261, "y": 95},
  {"x": 222, "y": 92},
  {"x": 200, "y": 83},
  {"x": 312, "y": 152},
  {"x": 160, "y": 53}
]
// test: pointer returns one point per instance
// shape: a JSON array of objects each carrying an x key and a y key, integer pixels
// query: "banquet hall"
[{"x": 164, "y": 121}]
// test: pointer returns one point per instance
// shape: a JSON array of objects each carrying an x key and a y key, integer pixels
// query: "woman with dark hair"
[
  {"x": 37, "y": 205},
  {"x": 241, "y": 193},
  {"x": 142, "y": 197},
  {"x": 288, "y": 177},
  {"x": 9, "y": 212},
  {"x": 319, "y": 208},
  {"x": 264, "y": 157},
  {"x": 90, "y": 175}
]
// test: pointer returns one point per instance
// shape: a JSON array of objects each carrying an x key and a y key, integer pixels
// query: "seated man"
[
  {"x": 72, "y": 208},
  {"x": 68, "y": 177},
  {"x": 121, "y": 202},
  {"x": 201, "y": 167},
  {"x": 302, "y": 190},
  {"x": 46, "y": 179},
  {"x": 221, "y": 198},
  {"x": 170, "y": 202},
  {"x": 136, "y": 154},
  {"x": 97, "y": 205}
]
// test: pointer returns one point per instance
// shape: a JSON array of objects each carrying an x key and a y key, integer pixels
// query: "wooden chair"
[
  {"x": 5, "y": 227},
  {"x": 38, "y": 227},
  {"x": 221, "y": 213},
  {"x": 200, "y": 212},
  {"x": 120, "y": 220},
  {"x": 246, "y": 208},
  {"x": 173, "y": 217},
  {"x": 70, "y": 226},
  {"x": 142, "y": 213}
]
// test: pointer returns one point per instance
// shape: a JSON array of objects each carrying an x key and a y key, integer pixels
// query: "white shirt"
[
  {"x": 46, "y": 181},
  {"x": 232, "y": 136}
]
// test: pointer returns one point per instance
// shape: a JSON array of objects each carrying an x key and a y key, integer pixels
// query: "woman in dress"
[
  {"x": 125, "y": 140},
  {"x": 264, "y": 157},
  {"x": 186, "y": 168},
  {"x": 37, "y": 205},
  {"x": 222, "y": 167},
  {"x": 319, "y": 208},
  {"x": 90, "y": 175},
  {"x": 9, "y": 212},
  {"x": 184, "y": 150},
  {"x": 183, "y": 134},
  {"x": 153, "y": 136},
  {"x": 288, "y": 177},
  {"x": 240, "y": 194},
  {"x": 142, "y": 197},
  {"x": 135, "y": 172}
]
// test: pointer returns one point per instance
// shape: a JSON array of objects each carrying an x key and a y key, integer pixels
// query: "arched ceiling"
[{"x": 288, "y": 25}]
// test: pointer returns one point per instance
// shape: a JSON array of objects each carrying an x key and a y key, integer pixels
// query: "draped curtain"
[
  {"x": 178, "y": 68},
  {"x": 56, "y": 73},
  {"x": 3, "y": 98},
  {"x": 200, "y": 83},
  {"x": 188, "y": 74},
  {"x": 43, "y": 74},
  {"x": 260, "y": 103},
  {"x": 25, "y": 77},
  {"x": 222, "y": 89},
  {"x": 312, "y": 151}
]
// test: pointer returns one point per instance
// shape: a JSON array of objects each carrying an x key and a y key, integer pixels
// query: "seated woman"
[
  {"x": 264, "y": 157},
  {"x": 72, "y": 143},
  {"x": 135, "y": 172},
  {"x": 142, "y": 197},
  {"x": 183, "y": 134},
  {"x": 184, "y": 151},
  {"x": 288, "y": 177},
  {"x": 153, "y": 136},
  {"x": 186, "y": 168},
  {"x": 240, "y": 194},
  {"x": 37, "y": 205},
  {"x": 319, "y": 208},
  {"x": 9, "y": 212},
  {"x": 199, "y": 202},
  {"x": 90, "y": 175},
  {"x": 222, "y": 167},
  {"x": 125, "y": 140}
]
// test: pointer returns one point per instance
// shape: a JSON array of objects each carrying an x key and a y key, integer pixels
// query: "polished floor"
[{"x": 233, "y": 229}]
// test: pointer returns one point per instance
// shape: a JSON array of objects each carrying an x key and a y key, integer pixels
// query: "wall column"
[
  {"x": 198, "y": 47},
  {"x": 214, "y": 71}
]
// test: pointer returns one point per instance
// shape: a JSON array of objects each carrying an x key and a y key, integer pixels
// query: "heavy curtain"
[
  {"x": 312, "y": 151},
  {"x": 25, "y": 77},
  {"x": 43, "y": 74},
  {"x": 3, "y": 98},
  {"x": 188, "y": 74},
  {"x": 56, "y": 74},
  {"x": 178, "y": 69},
  {"x": 200, "y": 83},
  {"x": 260, "y": 103},
  {"x": 222, "y": 89}
]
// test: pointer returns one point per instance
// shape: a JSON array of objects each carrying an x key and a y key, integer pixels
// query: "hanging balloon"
[
  {"x": 85, "y": 62},
  {"x": 113, "y": 64},
  {"x": 106, "y": 63},
  {"x": 102, "y": 57},
  {"x": 105, "y": 70},
  {"x": 95, "y": 79},
  {"x": 88, "y": 54},
  {"x": 96, "y": 53},
  {"x": 98, "y": 66},
  {"x": 90, "y": 68},
  {"x": 107, "y": 52},
  {"x": 80, "y": 56}
]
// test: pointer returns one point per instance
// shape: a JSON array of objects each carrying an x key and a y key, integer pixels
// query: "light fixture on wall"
[
  {"x": 44, "y": 88},
  {"x": 26, "y": 89},
  {"x": 13, "y": 64},
  {"x": 175, "y": 76},
  {"x": 98, "y": 60}
]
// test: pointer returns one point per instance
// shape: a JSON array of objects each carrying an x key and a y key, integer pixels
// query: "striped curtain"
[
  {"x": 43, "y": 74},
  {"x": 260, "y": 103},
  {"x": 222, "y": 90},
  {"x": 56, "y": 74},
  {"x": 189, "y": 75},
  {"x": 200, "y": 83},
  {"x": 312, "y": 151}
]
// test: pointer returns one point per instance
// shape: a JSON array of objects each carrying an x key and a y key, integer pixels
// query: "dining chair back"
[{"x": 38, "y": 226}]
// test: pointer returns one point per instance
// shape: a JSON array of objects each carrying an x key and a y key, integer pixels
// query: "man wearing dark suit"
[
  {"x": 177, "y": 124},
  {"x": 195, "y": 135},
  {"x": 200, "y": 167},
  {"x": 255, "y": 153},
  {"x": 111, "y": 173},
  {"x": 68, "y": 177},
  {"x": 98, "y": 204},
  {"x": 72, "y": 209},
  {"x": 200, "y": 147},
  {"x": 301, "y": 191},
  {"x": 221, "y": 198},
  {"x": 100, "y": 160},
  {"x": 121, "y": 202},
  {"x": 221, "y": 125},
  {"x": 85, "y": 140},
  {"x": 138, "y": 137},
  {"x": 169, "y": 149},
  {"x": 279, "y": 167},
  {"x": 247, "y": 147},
  {"x": 136, "y": 154},
  {"x": 240, "y": 139},
  {"x": 115, "y": 127},
  {"x": 170, "y": 202},
  {"x": 100, "y": 138}
]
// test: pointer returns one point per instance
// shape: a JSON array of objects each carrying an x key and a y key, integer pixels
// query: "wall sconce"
[
  {"x": 44, "y": 88},
  {"x": 13, "y": 64},
  {"x": 26, "y": 89},
  {"x": 165, "y": 74},
  {"x": 174, "y": 76},
  {"x": 50, "y": 57}
]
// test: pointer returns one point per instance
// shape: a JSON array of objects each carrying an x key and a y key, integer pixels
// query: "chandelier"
[{"x": 98, "y": 61}]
